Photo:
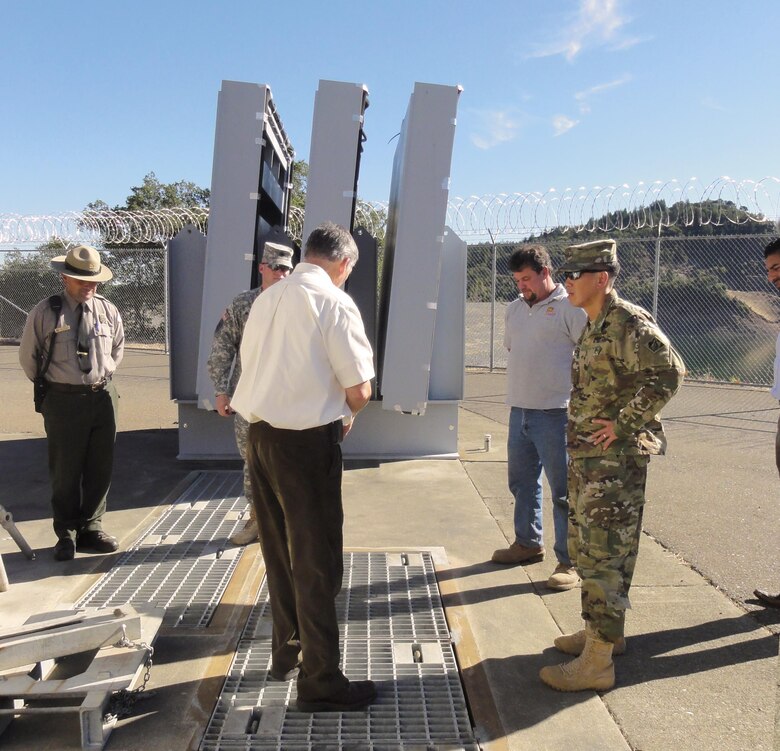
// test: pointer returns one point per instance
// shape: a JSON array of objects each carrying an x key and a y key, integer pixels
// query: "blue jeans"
[{"x": 537, "y": 439}]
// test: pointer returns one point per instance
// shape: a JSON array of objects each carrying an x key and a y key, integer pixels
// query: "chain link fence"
[
  {"x": 709, "y": 294},
  {"x": 138, "y": 289}
]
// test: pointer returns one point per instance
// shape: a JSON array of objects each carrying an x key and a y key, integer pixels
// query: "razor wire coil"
[{"x": 501, "y": 217}]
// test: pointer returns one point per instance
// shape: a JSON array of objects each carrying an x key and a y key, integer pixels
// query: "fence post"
[
  {"x": 165, "y": 293},
  {"x": 492, "y": 303},
  {"x": 656, "y": 280}
]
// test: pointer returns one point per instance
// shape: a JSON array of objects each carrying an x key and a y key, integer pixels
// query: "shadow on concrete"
[
  {"x": 474, "y": 569},
  {"x": 146, "y": 470},
  {"x": 177, "y": 711},
  {"x": 765, "y": 615},
  {"x": 650, "y": 656},
  {"x": 653, "y": 656}
]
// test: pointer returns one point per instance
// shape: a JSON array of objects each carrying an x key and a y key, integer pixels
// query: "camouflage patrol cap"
[
  {"x": 593, "y": 256},
  {"x": 275, "y": 254}
]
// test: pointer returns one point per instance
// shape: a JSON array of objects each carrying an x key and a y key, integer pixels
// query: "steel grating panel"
[
  {"x": 393, "y": 631},
  {"x": 380, "y": 598},
  {"x": 182, "y": 562}
]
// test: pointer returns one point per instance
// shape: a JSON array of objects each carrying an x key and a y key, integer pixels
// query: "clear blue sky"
[{"x": 562, "y": 93}]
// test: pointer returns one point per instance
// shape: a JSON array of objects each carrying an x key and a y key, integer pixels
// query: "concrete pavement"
[{"x": 701, "y": 669}]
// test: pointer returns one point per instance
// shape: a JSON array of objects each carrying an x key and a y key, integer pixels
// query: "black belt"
[
  {"x": 335, "y": 429},
  {"x": 69, "y": 388}
]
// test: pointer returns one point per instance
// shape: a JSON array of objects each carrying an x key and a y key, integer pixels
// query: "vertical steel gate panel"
[
  {"x": 379, "y": 434},
  {"x": 414, "y": 241},
  {"x": 334, "y": 156},
  {"x": 249, "y": 190}
]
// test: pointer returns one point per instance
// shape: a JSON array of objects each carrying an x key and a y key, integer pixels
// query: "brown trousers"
[{"x": 296, "y": 484}]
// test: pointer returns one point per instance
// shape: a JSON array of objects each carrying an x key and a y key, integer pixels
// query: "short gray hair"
[{"x": 331, "y": 242}]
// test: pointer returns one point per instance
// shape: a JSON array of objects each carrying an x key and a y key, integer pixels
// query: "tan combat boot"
[
  {"x": 592, "y": 670},
  {"x": 573, "y": 644},
  {"x": 249, "y": 533},
  {"x": 564, "y": 577}
]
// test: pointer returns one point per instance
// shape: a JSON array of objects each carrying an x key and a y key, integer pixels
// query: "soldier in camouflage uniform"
[
  {"x": 623, "y": 372},
  {"x": 224, "y": 363}
]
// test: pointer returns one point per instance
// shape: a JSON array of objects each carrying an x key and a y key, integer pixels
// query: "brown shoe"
[
  {"x": 564, "y": 577},
  {"x": 65, "y": 549},
  {"x": 768, "y": 599},
  {"x": 517, "y": 553},
  {"x": 96, "y": 541}
]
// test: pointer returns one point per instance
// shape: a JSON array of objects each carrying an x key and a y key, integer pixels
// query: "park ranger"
[
  {"x": 75, "y": 341},
  {"x": 224, "y": 363},
  {"x": 624, "y": 371}
]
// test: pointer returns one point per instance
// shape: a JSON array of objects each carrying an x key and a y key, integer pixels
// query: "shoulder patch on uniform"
[{"x": 654, "y": 344}]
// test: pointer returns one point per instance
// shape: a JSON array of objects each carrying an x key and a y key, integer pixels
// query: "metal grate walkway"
[
  {"x": 393, "y": 631},
  {"x": 184, "y": 561}
]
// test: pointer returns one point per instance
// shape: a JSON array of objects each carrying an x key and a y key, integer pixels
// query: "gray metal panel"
[
  {"x": 186, "y": 258},
  {"x": 203, "y": 434},
  {"x": 248, "y": 136},
  {"x": 379, "y": 434},
  {"x": 418, "y": 206},
  {"x": 449, "y": 345},
  {"x": 334, "y": 154}
]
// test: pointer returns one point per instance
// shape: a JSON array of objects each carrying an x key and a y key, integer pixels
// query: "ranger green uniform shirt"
[
  {"x": 624, "y": 369},
  {"x": 224, "y": 363}
]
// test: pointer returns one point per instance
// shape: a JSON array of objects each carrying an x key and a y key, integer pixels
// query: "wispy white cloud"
[
  {"x": 628, "y": 42},
  {"x": 497, "y": 127},
  {"x": 583, "y": 97},
  {"x": 596, "y": 23},
  {"x": 562, "y": 124}
]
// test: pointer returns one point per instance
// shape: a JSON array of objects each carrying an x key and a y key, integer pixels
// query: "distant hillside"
[{"x": 713, "y": 298}]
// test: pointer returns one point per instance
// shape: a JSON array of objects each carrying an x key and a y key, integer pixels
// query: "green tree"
[
  {"x": 26, "y": 278},
  {"x": 300, "y": 180},
  {"x": 152, "y": 194},
  {"x": 138, "y": 286}
]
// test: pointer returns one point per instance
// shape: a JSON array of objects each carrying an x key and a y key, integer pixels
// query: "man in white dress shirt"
[{"x": 306, "y": 372}]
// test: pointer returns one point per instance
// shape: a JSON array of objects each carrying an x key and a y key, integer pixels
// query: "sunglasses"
[
  {"x": 278, "y": 267},
  {"x": 574, "y": 275}
]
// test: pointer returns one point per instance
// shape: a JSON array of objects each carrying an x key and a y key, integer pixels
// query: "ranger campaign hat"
[
  {"x": 599, "y": 255},
  {"x": 275, "y": 254},
  {"x": 82, "y": 262}
]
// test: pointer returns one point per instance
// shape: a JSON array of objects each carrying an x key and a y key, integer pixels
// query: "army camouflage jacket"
[
  {"x": 624, "y": 369},
  {"x": 224, "y": 363}
]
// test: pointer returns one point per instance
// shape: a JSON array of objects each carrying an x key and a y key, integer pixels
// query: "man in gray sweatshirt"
[{"x": 541, "y": 330}]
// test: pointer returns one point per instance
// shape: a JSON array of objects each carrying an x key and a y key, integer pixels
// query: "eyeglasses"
[
  {"x": 574, "y": 275},
  {"x": 278, "y": 267}
]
